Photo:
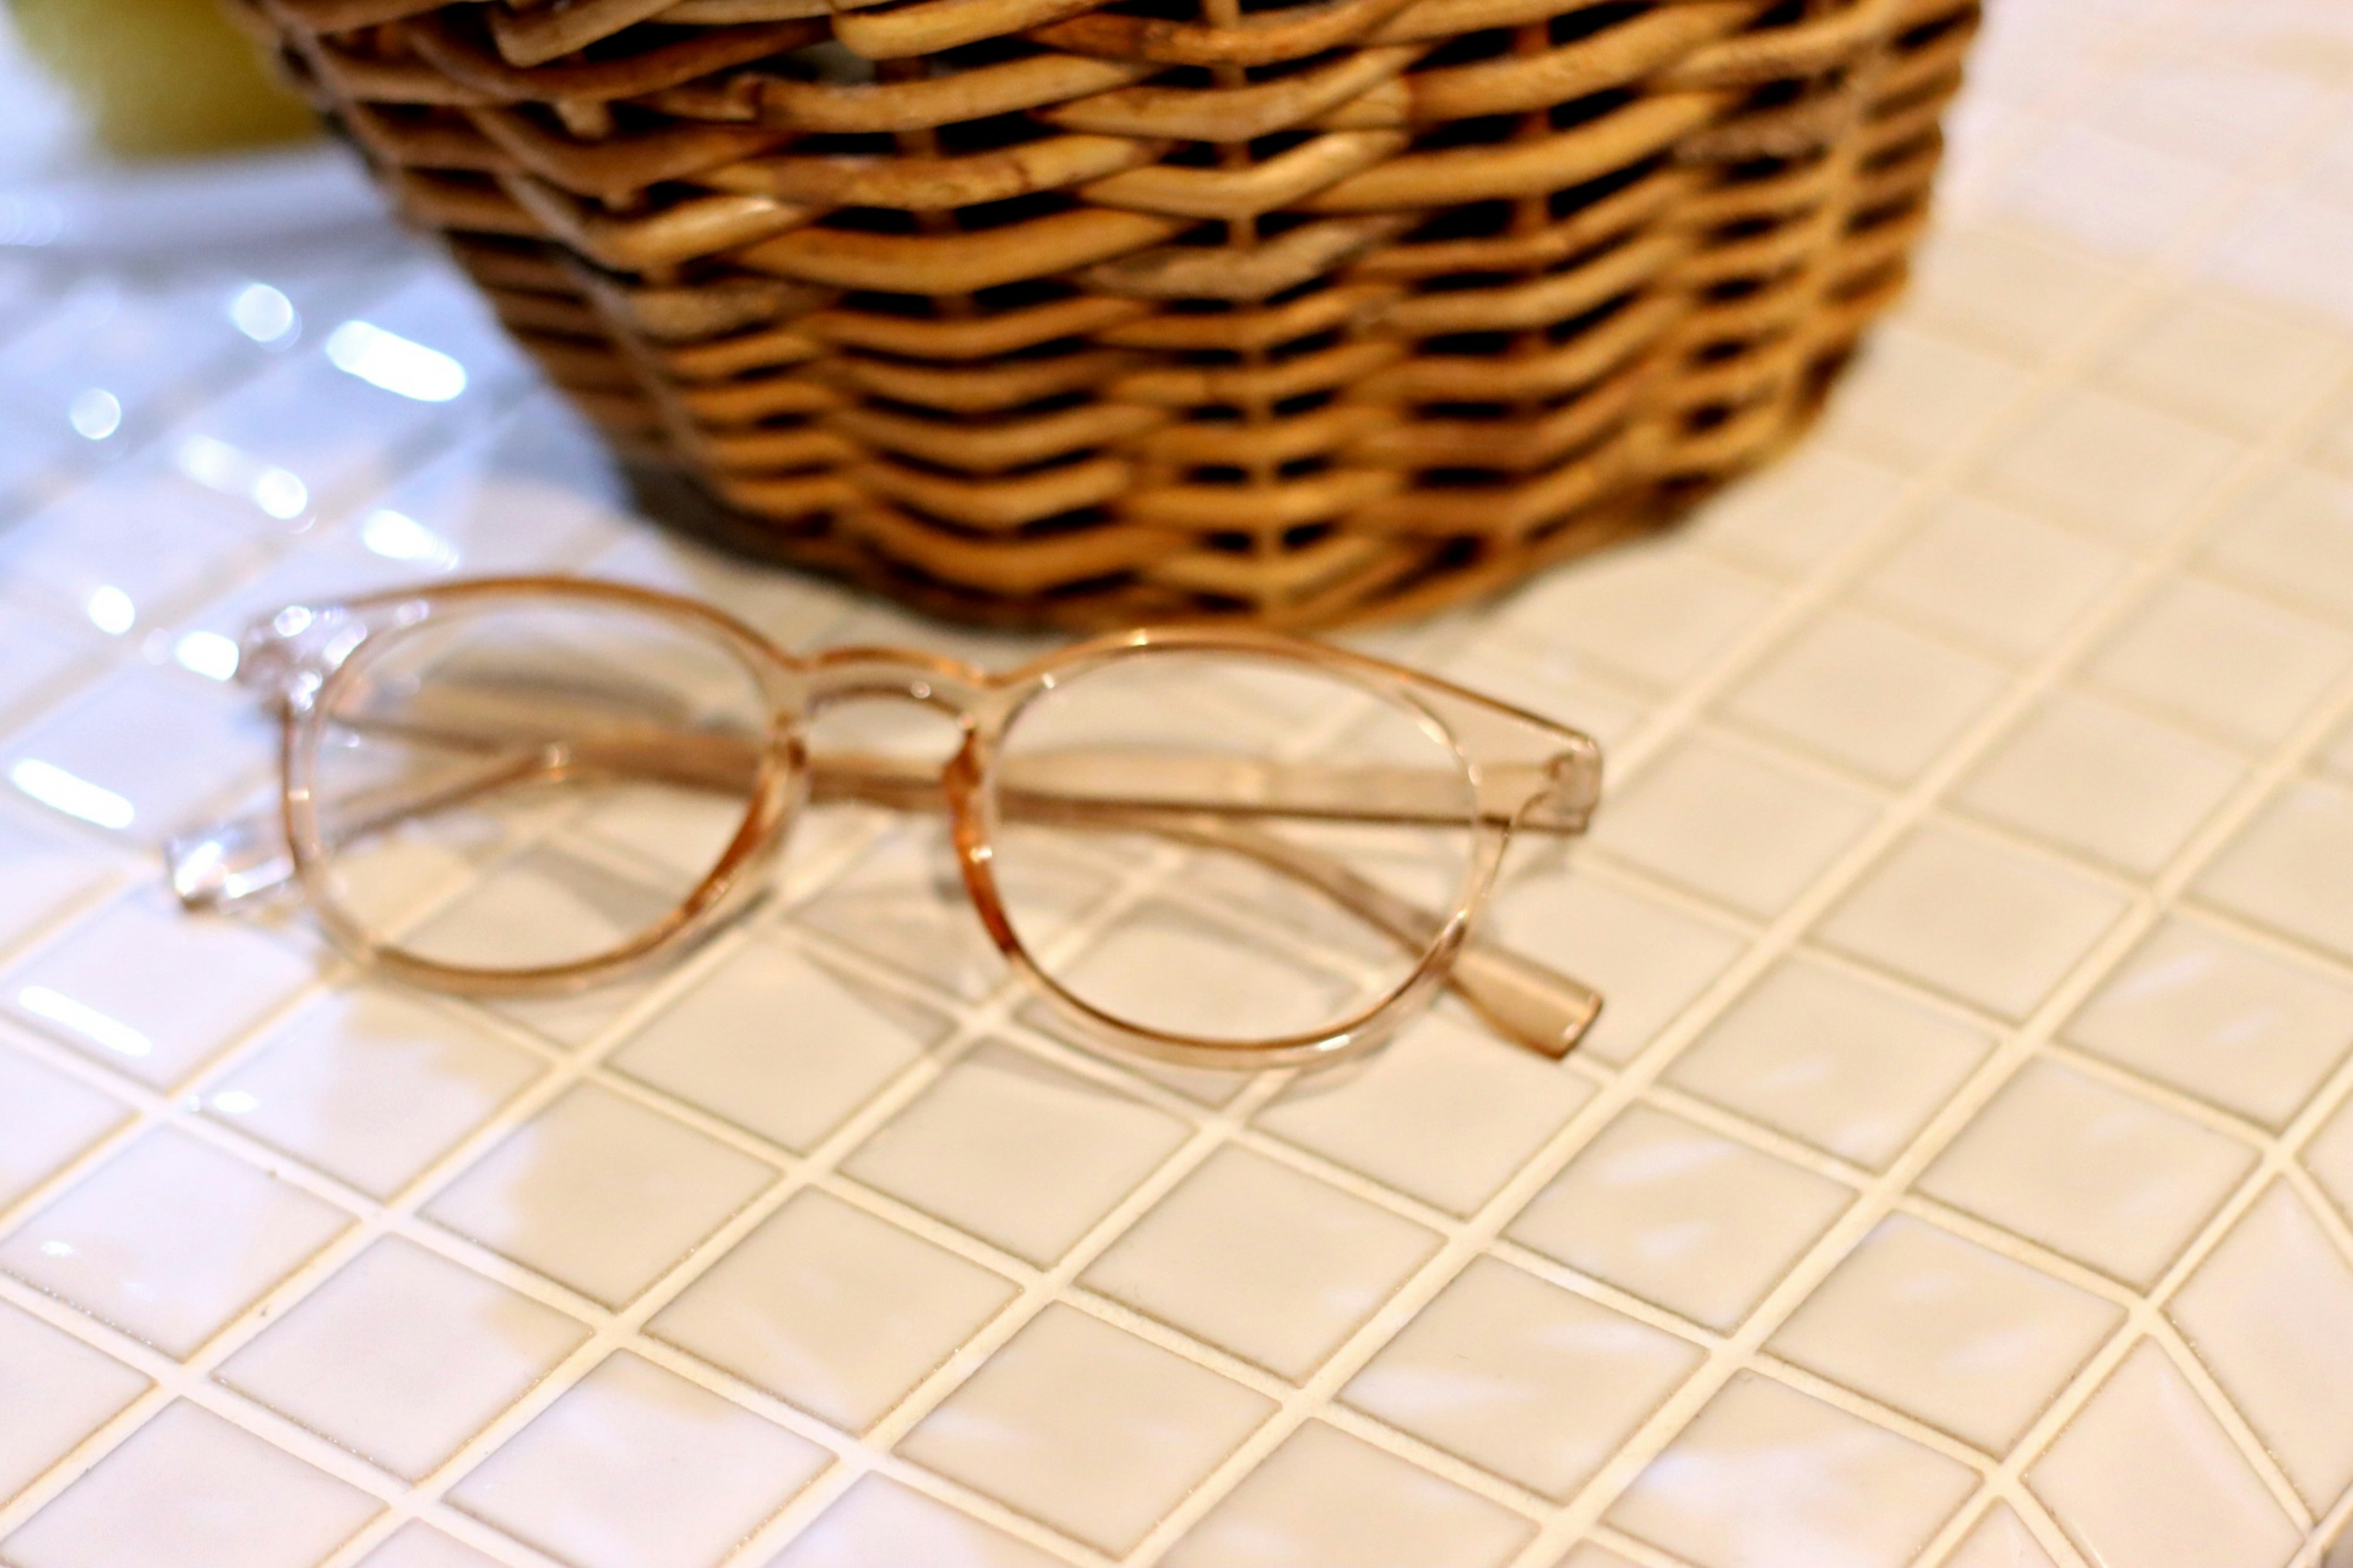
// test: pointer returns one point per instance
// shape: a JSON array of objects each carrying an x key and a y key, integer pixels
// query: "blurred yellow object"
[{"x": 162, "y": 78}]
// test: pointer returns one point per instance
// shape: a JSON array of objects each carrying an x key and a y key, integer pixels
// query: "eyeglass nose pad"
[{"x": 963, "y": 782}]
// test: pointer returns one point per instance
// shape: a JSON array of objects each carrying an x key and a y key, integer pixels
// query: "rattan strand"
[{"x": 1086, "y": 313}]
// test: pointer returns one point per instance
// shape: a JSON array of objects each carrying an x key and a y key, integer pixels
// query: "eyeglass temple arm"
[{"x": 1213, "y": 804}]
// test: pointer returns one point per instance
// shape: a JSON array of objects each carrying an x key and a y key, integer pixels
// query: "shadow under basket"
[{"x": 1060, "y": 312}]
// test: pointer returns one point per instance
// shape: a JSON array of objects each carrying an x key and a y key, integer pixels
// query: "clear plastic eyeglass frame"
[{"x": 1525, "y": 773}]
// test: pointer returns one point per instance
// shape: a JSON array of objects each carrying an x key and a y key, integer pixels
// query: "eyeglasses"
[{"x": 1204, "y": 846}]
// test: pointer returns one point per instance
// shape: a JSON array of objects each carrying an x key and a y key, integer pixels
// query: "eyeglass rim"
[{"x": 984, "y": 703}]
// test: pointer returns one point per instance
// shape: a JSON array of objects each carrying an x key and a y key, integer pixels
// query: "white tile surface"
[
  {"x": 2264, "y": 1311},
  {"x": 635, "y": 1468},
  {"x": 2092, "y": 778},
  {"x": 208, "y": 982},
  {"x": 2146, "y": 1476},
  {"x": 57, "y": 1391},
  {"x": 403, "y": 1356},
  {"x": 772, "y": 1043},
  {"x": 1965, "y": 1339},
  {"x": 192, "y": 1490},
  {"x": 882, "y": 1523},
  {"x": 2065, "y": 569},
  {"x": 422, "y": 1546},
  {"x": 1867, "y": 692},
  {"x": 170, "y": 1239},
  {"x": 1768, "y": 1476},
  {"x": 2282, "y": 870},
  {"x": 1733, "y": 824},
  {"x": 370, "y": 1085},
  {"x": 833, "y": 1310},
  {"x": 1446, "y": 1114},
  {"x": 1324, "y": 1499},
  {"x": 1023, "y": 1155},
  {"x": 47, "y": 1117},
  {"x": 1523, "y": 1378},
  {"x": 1975, "y": 919},
  {"x": 1848, "y": 1065},
  {"x": 2089, "y": 1169},
  {"x": 2249, "y": 1029},
  {"x": 600, "y": 1193},
  {"x": 2246, "y": 668},
  {"x": 1070, "y": 1395},
  {"x": 1263, "y": 1260},
  {"x": 1680, "y": 1216}
]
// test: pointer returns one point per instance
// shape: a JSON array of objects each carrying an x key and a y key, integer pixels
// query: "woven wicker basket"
[{"x": 1093, "y": 312}]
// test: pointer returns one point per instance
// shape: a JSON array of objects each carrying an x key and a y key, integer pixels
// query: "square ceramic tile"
[
  {"x": 2285, "y": 249},
  {"x": 1072, "y": 1395},
  {"x": 46, "y": 1118},
  {"x": 2246, "y": 668},
  {"x": 1999, "y": 1540},
  {"x": 1648, "y": 957},
  {"x": 2093, "y": 778},
  {"x": 2006, "y": 289},
  {"x": 94, "y": 758},
  {"x": 422, "y": 1546},
  {"x": 48, "y": 873},
  {"x": 2223, "y": 363},
  {"x": 1523, "y": 1378},
  {"x": 1733, "y": 824},
  {"x": 903, "y": 902},
  {"x": 1939, "y": 1328},
  {"x": 1679, "y": 1216},
  {"x": 1326, "y": 1500},
  {"x": 1914, "y": 397},
  {"x": 1767, "y": 1476},
  {"x": 1993, "y": 576},
  {"x": 2293, "y": 538},
  {"x": 2329, "y": 1156},
  {"x": 827, "y": 1307},
  {"x": 57, "y": 1391},
  {"x": 1648, "y": 614},
  {"x": 371, "y": 1086},
  {"x": 2266, "y": 1312},
  {"x": 127, "y": 556},
  {"x": 1848, "y": 1065},
  {"x": 2145, "y": 1476},
  {"x": 1544, "y": 681},
  {"x": 1864, "y": 691},
  {"x": 2093, "y": 460},
  {"x": 38, "y": 653},
  {"x": 1446, "y": 1112},
  {"x": 1021, "y": 1154},
  {"x": 1144, "y": 964},
  {"x": 882, "y": 1523},
  {"x": 2285, "y": 868},
  {"x": 600, "y": 1193},
  {"x": 2088, "y": 1170},
  {"x": 190, "y": 1491},
  {"x": 636, "y": 1467},
  {"x": 2223, "y": 110},
  {"x": 169, "y": 1239},
  {"x": 401, "y": 1357},
  {"x": 2120, "y": 199},
  {"x": 203, "y": 984},
  {"x": 555, "y": 899},
  {"x": 326, "y": 436},
  {"x": 1801, "y": 511},
  {"x": 2214, "y": 1015},
  {"x": 771, "y": 1042},
  {"x": 1261, "y": 1260},
  {"x": 1993, "y": 926}
]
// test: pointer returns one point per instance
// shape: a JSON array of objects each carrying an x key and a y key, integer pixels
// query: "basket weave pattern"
[{"x": 1089, "y": 312}]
